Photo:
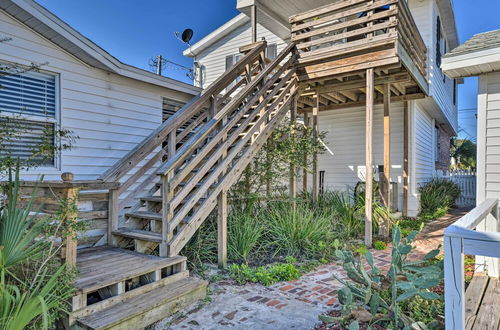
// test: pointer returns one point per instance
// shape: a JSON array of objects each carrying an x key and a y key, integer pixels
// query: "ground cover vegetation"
[{"x": 437, "y": 197}]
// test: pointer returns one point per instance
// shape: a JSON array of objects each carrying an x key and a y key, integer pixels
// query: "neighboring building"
[
  {"x": 109, "y": 105},
  {"x": 432, "y": 121},
  {"x": 480, "y": 56}
]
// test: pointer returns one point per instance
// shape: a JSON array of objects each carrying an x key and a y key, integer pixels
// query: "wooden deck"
[
  {"x": 482, "y": 303},
  {"x": 337, "y": 43}
]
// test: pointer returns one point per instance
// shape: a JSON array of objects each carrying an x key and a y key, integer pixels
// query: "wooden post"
[
  {"x": 222, "y": 228},
  {"x": 315, "y": 177},
  {"x": 167, "y": 195},
  {"x": 293, "y": 179},
  {"x": 386, "y": 184},
  {"x": 304, "y": 171},
  {"x": 454, "y": 283},
  {"x": 113, "y": 208},
  {"x": 369, "y": 157},
  {"x": 253, "y": 18},
  {"x": 406, "y": 153},
  {"x": 70, "y": 194}
]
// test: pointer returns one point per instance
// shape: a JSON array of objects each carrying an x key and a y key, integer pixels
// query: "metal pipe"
[{"x": 254, "y": 23}]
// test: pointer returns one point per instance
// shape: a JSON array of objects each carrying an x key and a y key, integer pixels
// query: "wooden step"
[
  {"x": 142, "y": 235},
  {"x": 142, "y": 311},
  {"x": 104, "y": 266},
  {"x": 158, "y": 199},
  {"x": 145, "y": 215}
]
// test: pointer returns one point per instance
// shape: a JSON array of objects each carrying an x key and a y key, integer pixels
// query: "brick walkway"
[{"x": 288, "y": 305}]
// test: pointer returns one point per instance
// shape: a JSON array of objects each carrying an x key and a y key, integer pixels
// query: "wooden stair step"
[
  {"x": 145, "y": 215},
  {"x": 142, "y": 235},
  {"x": 154, "y": 199},
  {"x": 143, "y": 310},
  {"x": 104, "y": 266}
]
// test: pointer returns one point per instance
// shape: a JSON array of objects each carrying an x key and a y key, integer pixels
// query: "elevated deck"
[
  {"x": 482, "y": 307},
  {"x": 337, "y": 43}
]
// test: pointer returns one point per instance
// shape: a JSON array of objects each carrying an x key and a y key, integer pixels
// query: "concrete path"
[{"x": 288, "y": 305}]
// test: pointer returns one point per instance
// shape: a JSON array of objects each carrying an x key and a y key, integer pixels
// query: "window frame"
[{"x": 56, "y": 120}]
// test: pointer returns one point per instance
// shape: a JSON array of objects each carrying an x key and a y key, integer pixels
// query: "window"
[
  {"x": 28, "y": 106},
  {"x": 272, "y": 51}
]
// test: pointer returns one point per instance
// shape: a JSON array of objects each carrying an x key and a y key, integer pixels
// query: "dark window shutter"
[{"x": 438, "y": 42}]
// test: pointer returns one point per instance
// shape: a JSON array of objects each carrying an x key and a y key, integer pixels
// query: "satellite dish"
[{"x": 186, "y": 36}]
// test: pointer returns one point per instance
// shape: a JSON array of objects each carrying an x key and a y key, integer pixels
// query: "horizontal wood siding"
[
  {"x": 492, "y": 172},
  {"x": 423, "y": 146},
  {"x": 108, "y": 112},
  {"x": 213, "y": 58},
  {"x": 344, "y": 162},
  {"x": 425, "y": 13}
]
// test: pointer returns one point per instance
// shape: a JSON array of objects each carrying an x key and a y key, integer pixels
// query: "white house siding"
[
  {"x": 425, "y": 13},
  {"x": 344, "y": 161},
  {"x": 489, "y": 137},
  {"x": 109, "y": 113},
  {"x": 213, "y": 58}
]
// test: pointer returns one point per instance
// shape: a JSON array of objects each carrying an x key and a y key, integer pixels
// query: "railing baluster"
[
  {"x": 167, "y": 193},
  {"x": 454, "y": 285}
]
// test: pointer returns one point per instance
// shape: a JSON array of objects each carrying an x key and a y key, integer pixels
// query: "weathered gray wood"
[
  {"x": 138, "y": 234},
  {"x": 488, "y": 317},
  {"x": 315, "y": 131},
  {"x": 473, "y": 298},
  {"x": 222, "y": 229},
  {"x": 454, "y": 287},
  {"x": 369, "y": 157},
  {"x": 385, "y": 185},
  {"x": 406, "y": 155},
  {"x": 113, "y": 213},
  {"x": 293, "y": 174}
]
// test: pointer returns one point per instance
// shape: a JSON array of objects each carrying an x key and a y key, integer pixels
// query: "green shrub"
[
  {"x": 379, "y": 245},
  {"x": 408, "y": 225},
  {"x": 265, "y": 275},
  {"x": 436, "y": 196},
  {"x": 295, "y": 230},
  {"x": 202, "y": 247},
  {"x": 347, "y": 219},
  {"x": 244, "y": 232}
]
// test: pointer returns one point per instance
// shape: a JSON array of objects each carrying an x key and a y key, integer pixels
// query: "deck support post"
[
  {"x": 293, "y": 176},
  {"x": 167, "y": 195},
  {"x": 454, "y": 283},
  {"x": 70, "y": 216},
  {"x": 386, "y": 182},
  {"x": 315, "y": 131},
  {"x": 406, "y": 153},
  {"x": 253, "y": 18},
  {"x": 369, "y": 156},
  {"x": 304, "y": 170},
  {"x": 222, "y": 229}
]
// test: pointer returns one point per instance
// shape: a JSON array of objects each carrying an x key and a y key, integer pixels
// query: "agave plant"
[
  {"x": 20, "y": 243},
  {"x": 370, "y": 296}
]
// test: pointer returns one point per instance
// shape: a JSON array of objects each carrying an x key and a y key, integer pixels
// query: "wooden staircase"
[
  {"x": 189, "y": 162},
  {"x": 241, "y": 109}
]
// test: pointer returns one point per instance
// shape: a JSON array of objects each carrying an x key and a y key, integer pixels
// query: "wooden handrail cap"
[{"x": 67, "y": 176}]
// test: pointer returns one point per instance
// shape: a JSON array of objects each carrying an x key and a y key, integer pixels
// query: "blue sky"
[{"x": 134, "y": 31}]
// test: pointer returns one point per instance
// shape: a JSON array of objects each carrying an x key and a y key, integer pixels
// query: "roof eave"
[{"x": 472, "y": 64}]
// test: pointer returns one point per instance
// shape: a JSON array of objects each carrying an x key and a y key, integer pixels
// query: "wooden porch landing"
[{"x": 482, "y": 307}]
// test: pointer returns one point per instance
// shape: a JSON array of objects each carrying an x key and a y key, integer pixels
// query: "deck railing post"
[
  {"x": 293, "y": 174},
  {"x": 70, "y": 194},
  {"x": 167, "y": 194},
  {"x": 454, "y": 285},
  {"x": 113, "y": 210}
]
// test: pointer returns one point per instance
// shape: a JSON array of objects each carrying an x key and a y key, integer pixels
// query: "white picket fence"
[{"x": 466, "y": 180}]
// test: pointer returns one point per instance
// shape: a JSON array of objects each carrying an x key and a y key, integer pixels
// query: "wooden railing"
[
  {"x": 358, "y": 26},
  {"x": 463, "y": 237},
  {"x": 214, "y": 157},
  {"x": 163, "y": 142}
]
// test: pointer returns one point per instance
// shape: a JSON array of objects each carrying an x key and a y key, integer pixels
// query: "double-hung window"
[{"x": 28, "y": 115}]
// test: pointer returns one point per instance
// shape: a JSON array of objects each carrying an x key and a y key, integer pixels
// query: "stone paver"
[{"x": 288, "y": 305}]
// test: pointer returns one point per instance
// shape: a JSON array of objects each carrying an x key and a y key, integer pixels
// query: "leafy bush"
[
  {"x": 202, "y": 247},
  {"x": 379, "y": 245},
  {"x": 348, "y": 221},
  {"x": 375, "y": 297},
  {"x": 266, "y": 275},
  {"x": 436, "y": 196},
  {"x": 295, "y": 231},
  {"x": 34, "y": 285},
  {"x": 408, "y": 225}
]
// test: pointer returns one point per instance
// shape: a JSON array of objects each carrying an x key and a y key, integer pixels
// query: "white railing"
[
  {"x": 466, "y": 180},
  {"x": 475, "y": 233}
]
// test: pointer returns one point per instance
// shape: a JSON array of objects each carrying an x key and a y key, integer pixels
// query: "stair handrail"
[
  {"x": 159, "y": 135},
  {"x": 183, "y": 152}
]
